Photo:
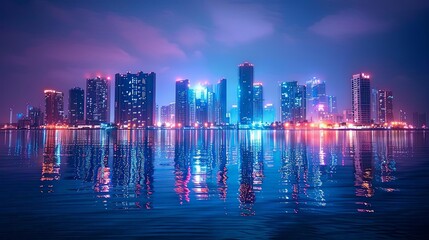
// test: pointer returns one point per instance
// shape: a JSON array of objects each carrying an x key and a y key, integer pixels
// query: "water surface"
[{"x": 321, "y": 184}]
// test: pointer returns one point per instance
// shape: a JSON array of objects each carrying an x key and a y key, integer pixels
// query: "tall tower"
[
  {"x": 221, "y": 101},
  {"x": 97, "y": 102},
  {"x": 361, "y": 98},
  {"x": 182, "y": 103},
  {"x": 293, "y": 102},
  {"x": 317, "y": 100},
  {"x": 76, "y": 105},
  {"x": 135, "y": 99},
  {"x": 258, "y": 103},
  {"x": 385, "y": 106},
  {"x": 54, "y": 107},
  {"x": 245, "y": 93}
]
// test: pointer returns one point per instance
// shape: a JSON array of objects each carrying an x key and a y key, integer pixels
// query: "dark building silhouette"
[
  {"x": 135, "y": 99},
  {"x": 36, "y": 116},
  {"x": 221, "y": 101},
  {"x": 182, "y": 103},
  {"x": 258, "y": 102},
  {"x": 97, "y": 102},
  {"x": 54, "y": 107},
  {"x": 385, "y": 106},
  {"x": 76, "y": 106},
  {"x": 245, "y": 93}
]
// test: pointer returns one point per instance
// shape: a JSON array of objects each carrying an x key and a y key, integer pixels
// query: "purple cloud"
[
  {"x": 347, "y": 24},
  {"x": 233, "y": 27},
  {"x": 191, "y": 36}
]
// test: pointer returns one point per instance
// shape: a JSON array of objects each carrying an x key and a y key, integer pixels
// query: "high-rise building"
[
  {"x": 258, "y": 103},
  {"x": 332, "y": 104},
  {"x": 97, "y": 101},
  {"x": 269, "y": 113},
  {"x": 221, "y": 101},
  {"x": 403, "y": 116},
  {"x": 245, "y": 93},
  {"x": 361, "y": 98},
  {"x": 211, "y": 103},
  {"x": 374, "y": 105},
  {"x": 201, "y": 104},
  {"x": 172, "y": 112},
  {"x": 233, "y": 114},
  {"x": 54, "y": 107},
  {"x": 76, "y": 106},
  {"x": 182, "y": 103},
  {"x": 192, "y": 106},
  {"x": 420, "y": 120},
  {"x": 165, "y": 114},
  {"x": 36, "y": 116},
  {"x": 135, "y": 99},
  {"x": 317, "y": 102},
  {"x": 385, "y": 106},
  {"x": 293, "y": 102}
]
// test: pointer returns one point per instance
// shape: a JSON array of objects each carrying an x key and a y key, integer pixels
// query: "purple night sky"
[{"x": 58, "y": 44}]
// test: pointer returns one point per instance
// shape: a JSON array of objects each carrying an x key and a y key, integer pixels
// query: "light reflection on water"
[{"x": 196, "y": 175}]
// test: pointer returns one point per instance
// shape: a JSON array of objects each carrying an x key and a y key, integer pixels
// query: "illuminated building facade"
[
  {"x": 385, "y": 106},
  {"x": 361, "y": 98},
  {"x": 182, "y": 103},
  {"x": 135, "y": 99},
  {"x": 76, "y": 106},
  {"x": 269, "y": 113},
  {"x": 245, "y": 93},
  {"x": 293, "y": 102},
  {"x": 54, "y": 107},
  {"x": 97, "y": 101},
  {"x": 317, "y": 101},
  {"x": 221, "y": 97},
  {"x": 258, "y": 103}
]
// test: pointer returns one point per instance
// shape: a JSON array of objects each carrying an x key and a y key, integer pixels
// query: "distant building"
[
  {"x": 182, "y": 103},
  {"x": 403, "y": 116},
  {"x": 97, "y": 101},
  {"x": 385, "y": 106},
  {"x": 221, "y": 97},
  {"x": 36, "y": 116},
  {"x": 348, "y": 116},
  {"x": 135, "y": 95},
  {"x": 165, "y": 114},
  {"x": 293, "y": 102},
  {"x": 332, "y": 104},
  {"x": 245, "y": 93},
  {"x": 192, "y": 106},
  {"x": 420, "y": 120},
  {"x": 361, "y": 98},
  {"x": 258, "y": 103},
  {"x": 172, "y": 109},
  {"x": 233, "y": 114},
  {"x": 76, "y": 106},
  {"x": 54, "y": 107},
  {"x": 317, "y": 102},
  {"x": 374, "y": 106},
  {"x": 269, "y": 113}
]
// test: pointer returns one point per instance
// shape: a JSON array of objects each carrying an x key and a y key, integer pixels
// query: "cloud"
[
  {"x": 191, "y": 36},
  {"x": 347, "y": 24},
  {"x": 240, "y": 23}
]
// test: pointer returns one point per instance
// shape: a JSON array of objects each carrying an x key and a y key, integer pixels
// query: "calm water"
[{"x": 214, "y": 184}]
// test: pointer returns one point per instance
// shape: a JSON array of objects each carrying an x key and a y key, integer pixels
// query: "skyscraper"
[
  {"x": 182, "y": 103},
  {"x": 245, "y": 93},
  {"x": 201, "y": 104},
  {"x": 317, "y": 99},
  {"x": 233, "y": 114},
  {"x": 293, "y": 102},
  {"x": 361, "y": 98},
  {"x": 221, "y": 101},
  {"x": 36, "y": 116},
  {"x": 192, "y": 106},
  {"x": 165, "y": 114},
  {"x": 97, "y": 102},
  {"x": 76, "y": 106},
  {"x": 269, "y": 113},
  {"x": 54, "y": 107},
  {"x": 385, "y": 106},
  {"x": 374, "y": 105},
  {"x": 258, "y": 103},
  {"x": 135, "y": 99}
]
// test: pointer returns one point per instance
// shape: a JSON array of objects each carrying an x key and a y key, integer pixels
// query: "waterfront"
[{"x": 214, "y": 184}]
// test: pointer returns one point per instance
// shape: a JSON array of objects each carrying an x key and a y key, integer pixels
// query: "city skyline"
[{"x": 318, "y": 40}]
